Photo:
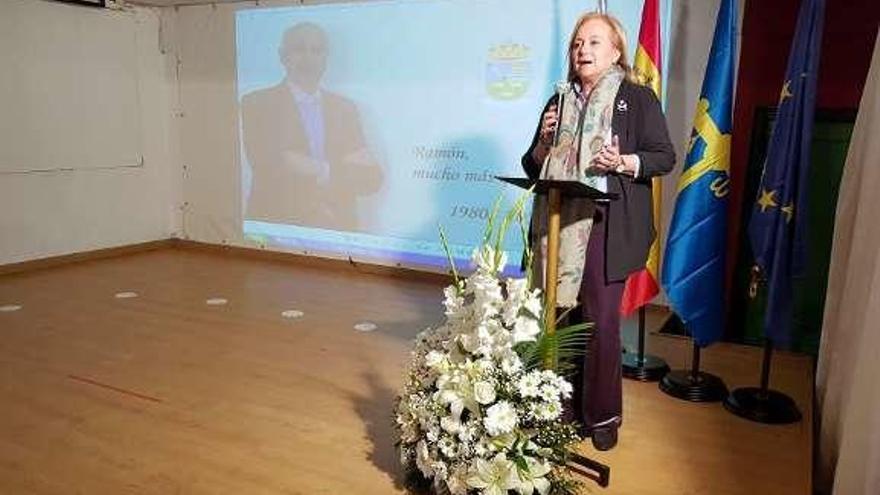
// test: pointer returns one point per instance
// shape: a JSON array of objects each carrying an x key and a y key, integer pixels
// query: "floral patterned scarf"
[{"x": 570, "y": 160}]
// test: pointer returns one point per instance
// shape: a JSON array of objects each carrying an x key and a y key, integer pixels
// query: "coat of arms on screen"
[{"x": 508, "y": 70}]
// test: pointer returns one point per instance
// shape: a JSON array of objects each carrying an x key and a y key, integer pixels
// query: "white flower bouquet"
[{"x": 479, "y": 413}]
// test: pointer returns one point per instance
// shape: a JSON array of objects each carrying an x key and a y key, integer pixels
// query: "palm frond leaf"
[{"x": 561, "y": 348}]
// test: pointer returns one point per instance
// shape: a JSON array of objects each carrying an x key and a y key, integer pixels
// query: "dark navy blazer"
[{"x": 641, "y": 129}]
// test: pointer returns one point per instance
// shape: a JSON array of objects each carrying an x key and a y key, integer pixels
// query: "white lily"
[
  {"x": 493, "y": 477},
  {"x": 458, "y": 393},
  {"x": 526, "y": 328},
  {"x": 534, "y": 478}
]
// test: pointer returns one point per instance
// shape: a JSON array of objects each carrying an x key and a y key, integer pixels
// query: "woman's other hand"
[{"x": 549, "y": 121}]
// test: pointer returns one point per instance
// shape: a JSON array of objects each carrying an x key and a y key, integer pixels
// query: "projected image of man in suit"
[{"x": 305, "y": 145}]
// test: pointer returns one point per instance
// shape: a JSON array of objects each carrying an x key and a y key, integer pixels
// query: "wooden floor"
[{"x": 164, "y": 394}]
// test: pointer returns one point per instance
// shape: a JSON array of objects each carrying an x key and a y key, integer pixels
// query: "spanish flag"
[{"x": 642, "y": 286}]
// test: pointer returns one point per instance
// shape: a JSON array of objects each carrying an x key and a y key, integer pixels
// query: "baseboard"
[
  {"x": 260, "y": 254},
  {"x": 95, "y": 254},
  {"x": 315, "y": 261}
]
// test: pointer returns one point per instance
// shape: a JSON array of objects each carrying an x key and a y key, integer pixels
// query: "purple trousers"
[{"x": 597, "y": 398}]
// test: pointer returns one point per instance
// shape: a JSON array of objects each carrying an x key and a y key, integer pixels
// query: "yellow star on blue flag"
[
  {"x": 766, "y": 200},
  {"x": 786, "y": 92}
]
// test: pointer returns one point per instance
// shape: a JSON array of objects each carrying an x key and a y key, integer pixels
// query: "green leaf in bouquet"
[
  {"x": 562, "y": 348},
  {"x": 445, "y": 242},
  {"x": 490, "y": 222},
  {"x": 571, "y": 343},
  {"x": 515, "y": 212},
  {"x": 528, "y": 255}
]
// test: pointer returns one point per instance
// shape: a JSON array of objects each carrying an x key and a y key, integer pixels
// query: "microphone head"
[{"x": 563, "y": 87}]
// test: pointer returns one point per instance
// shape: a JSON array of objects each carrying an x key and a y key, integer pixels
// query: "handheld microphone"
[{"x": 562, "y": 90}]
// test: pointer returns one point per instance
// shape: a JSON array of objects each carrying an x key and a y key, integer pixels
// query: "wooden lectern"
[{"x": 557, "y": 191}]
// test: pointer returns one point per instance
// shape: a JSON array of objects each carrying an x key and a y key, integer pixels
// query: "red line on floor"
[{"x": 115, "y": 389}]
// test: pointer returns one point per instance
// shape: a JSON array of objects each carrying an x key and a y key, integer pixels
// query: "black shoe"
[{"x": 604, "y": 438}]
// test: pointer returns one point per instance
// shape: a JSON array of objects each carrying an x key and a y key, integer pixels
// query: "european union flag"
[
  {"x": 777, "y": 227},
  {"x": 694, "y": 263}
]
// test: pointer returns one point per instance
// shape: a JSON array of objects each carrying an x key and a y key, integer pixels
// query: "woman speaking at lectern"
[{"x": 609, "y": 133}]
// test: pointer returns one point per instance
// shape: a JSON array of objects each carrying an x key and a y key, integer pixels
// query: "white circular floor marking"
[{"x": 365, "y": 326}]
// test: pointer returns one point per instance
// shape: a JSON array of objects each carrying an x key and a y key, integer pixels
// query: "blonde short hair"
[{"x": 618, "y": 40}]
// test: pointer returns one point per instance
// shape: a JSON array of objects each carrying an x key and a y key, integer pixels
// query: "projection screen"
[{"x": 366, "y": 126}]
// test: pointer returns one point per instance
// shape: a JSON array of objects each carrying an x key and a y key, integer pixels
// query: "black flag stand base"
[
  {"x": 640, "y": 366},
  {"x": 694, "y": 385},
  {"x": 761, "y": 404}
]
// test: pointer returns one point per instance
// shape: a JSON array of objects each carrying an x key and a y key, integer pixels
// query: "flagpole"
[
  {"x": 691, "y": 385},
  {"x": 778, "y": 225},
  {"x": 643, "y": 367},
  {"x": 694, "y": 265},
  {"x": 760, "y": 404},
  {"x": 641, "y": 286}
]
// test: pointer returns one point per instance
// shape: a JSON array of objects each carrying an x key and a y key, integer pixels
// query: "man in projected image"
[{"x": 305, "y": 144}]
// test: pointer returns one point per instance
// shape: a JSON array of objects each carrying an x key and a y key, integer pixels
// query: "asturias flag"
[
  {"x": 642, "y": 286},
  {"x": 694, "y": 264},
  {"x": 777, "y": 227}
]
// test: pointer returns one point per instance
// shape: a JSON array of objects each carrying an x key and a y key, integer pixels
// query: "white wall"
[{"x": 65, "y": 211}]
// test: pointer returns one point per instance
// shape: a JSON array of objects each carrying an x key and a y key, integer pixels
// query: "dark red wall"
[{"x": 767, "y": 31}]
